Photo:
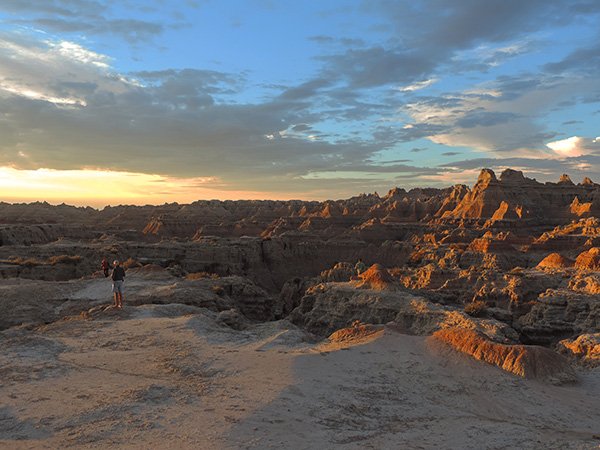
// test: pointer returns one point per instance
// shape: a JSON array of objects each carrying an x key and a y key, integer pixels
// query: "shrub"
[
  {"x": 218, "y": 290},
  {"x": 64, "y": 259},
  {"x": 202, "y": 275},
  {"x": 131, "y": 263},
  {"x": 29, "y": 262},
  {"x": 475, "y": 308},
  {"x": 397, "y": 272}
]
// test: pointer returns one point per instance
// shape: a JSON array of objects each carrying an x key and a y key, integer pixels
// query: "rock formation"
[
  {"x": 586, "y": 348},
  {"x": 376, "y": 277},
  {"x": 555, "y": 261},
  {"x": 526, "y": 361},
  {"x": 512, "y": 258},
  {"x": 515, "y": 198}
]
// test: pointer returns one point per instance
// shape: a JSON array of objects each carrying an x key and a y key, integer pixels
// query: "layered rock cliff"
[{"x": 516, "y": 198}]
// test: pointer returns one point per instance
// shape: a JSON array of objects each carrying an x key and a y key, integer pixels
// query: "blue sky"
[{"x": 295, "y": 99}]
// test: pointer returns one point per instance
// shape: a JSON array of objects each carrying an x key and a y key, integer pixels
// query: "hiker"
[
  {"x": 105, "y": 266},
  {"x": 118, "y": 278},
  {"x": 360, "y": 266}
]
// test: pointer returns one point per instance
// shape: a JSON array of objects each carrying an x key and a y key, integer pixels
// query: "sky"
[{"x": 111, "y": 102}]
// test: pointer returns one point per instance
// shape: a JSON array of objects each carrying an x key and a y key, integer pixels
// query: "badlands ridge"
[{"x": 476, "y": 325}]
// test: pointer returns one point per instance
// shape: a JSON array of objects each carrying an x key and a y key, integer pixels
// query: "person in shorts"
[{"x": 118, "y": 278}]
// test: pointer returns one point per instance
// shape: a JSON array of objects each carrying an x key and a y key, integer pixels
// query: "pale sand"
[{"x": 169, "y": 376}]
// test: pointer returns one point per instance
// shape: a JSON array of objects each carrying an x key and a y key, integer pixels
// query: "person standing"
[
  {"x": 105, "y": 266},
  {"x": 118, "y": 278},
  {"x": 360, "y": 266}
]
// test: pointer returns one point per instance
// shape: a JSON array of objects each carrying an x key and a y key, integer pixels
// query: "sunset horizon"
[
  {"x": 177, "y": 101},
  {"x": 132, "y": 188}
]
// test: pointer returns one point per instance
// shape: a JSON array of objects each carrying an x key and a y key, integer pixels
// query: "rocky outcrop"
[
  {"x": 580, "y": 209},
  {"x": 357, "y": 332},
  {"x": 588, "y": 284},
  {"x": 43, "y": 212},
  {"x": 292, "y": 293},
  {"x": 34, "y": 302},
  {"x": 515, "y": 198},
  {"x": 588, "y": 260},
  {"x": 377, "y": 278},
  {"x": 56, "y": 268},
  {"x": 559, "y": 314},
  {"x": 42, "y": 233},
  {"x": 342, "y": 271},
  {"x": 585, "y": 348},
  {"x": 328, "y": 307},
  {"x": 555, "y": 261},
  {"x": 233, "y": 319},
  {"x": 527, "y": 361},
  {"x": 219, "y": 294}
]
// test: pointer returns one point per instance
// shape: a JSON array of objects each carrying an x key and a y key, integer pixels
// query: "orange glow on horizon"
[{"x": 98, "y": 188}]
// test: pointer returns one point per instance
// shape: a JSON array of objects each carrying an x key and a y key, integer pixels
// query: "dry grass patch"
[
  {"x": 65, "y": 259},
  {"x": 202, "y": 276},
  {"x": 53, "y": 260},
  {"x": 27, "y": 262}
]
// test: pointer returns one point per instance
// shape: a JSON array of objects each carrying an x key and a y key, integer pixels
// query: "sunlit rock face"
[{"x": 516, "y": 198}]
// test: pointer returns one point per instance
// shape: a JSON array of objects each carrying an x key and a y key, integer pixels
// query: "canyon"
[{"x": 505, "y": 272}]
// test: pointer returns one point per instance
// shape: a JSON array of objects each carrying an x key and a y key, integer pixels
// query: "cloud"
[
  {"x": 378, "y": 66},
  {"x": 68, "y": 8},
  {"x": 301, "y": 127},
  {"x": 584, "y": 60},
  {"x": 40, "y": 70},
  {"x": 431, "y": 37},
  {"x": 189, "y": 88},
  {"x": 94, "y": 17},
  {"x": 439, "y": 31},
  {"x": 418, "y": 85},
  {"x": 343, "y": 41},
  {"x": 497, "y": 116},
  {"x": 480, "y": 118},
  {"x": 575, "y": 146},
  {"x": 305, "y": 90},
  {"x": 68, "y": 107}
]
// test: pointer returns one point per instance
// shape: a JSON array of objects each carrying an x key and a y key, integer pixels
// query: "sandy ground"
[{"x": 169, "y": 376}]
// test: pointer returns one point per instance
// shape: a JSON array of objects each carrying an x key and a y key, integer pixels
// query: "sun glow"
[{"x": 98, "y": 188}]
